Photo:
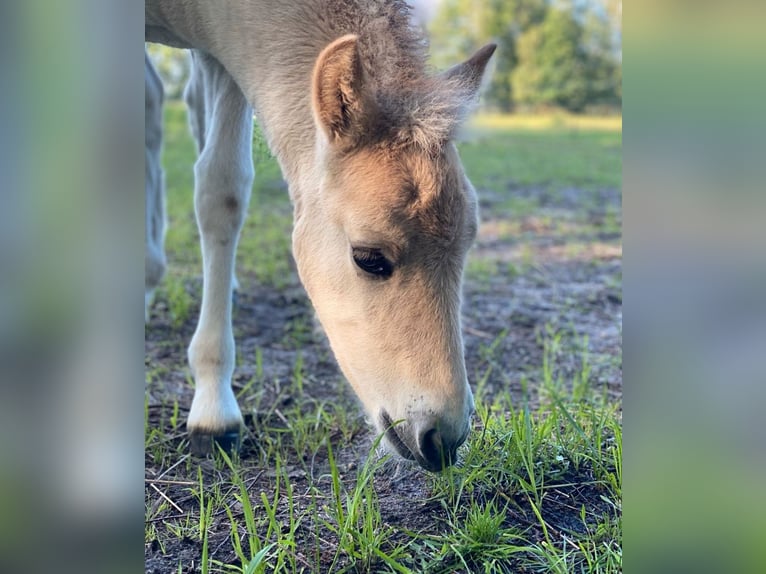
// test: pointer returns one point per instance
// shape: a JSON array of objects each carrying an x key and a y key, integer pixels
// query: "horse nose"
[{"x": 437, "y": 449}]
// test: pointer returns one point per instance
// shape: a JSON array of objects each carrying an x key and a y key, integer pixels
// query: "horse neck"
[{"x": 269, "y": 49}]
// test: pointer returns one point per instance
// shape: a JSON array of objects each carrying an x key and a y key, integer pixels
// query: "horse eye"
[{"x": 373, "y": 262}]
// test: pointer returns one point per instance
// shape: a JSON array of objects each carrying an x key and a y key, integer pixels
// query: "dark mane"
[
  {"x": 416, "y": 106},
  {"x": 393, "y": 50}
]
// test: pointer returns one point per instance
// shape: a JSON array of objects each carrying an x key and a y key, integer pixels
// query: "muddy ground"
[{"x": 534, "y": 275}]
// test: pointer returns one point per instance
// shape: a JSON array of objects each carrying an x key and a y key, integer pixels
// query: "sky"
[{"x": 424, "y": 9}]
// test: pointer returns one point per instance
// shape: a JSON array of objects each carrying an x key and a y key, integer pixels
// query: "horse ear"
[
  {"x": 470, "y": 73},
  {"x": 339, "y": 96}
]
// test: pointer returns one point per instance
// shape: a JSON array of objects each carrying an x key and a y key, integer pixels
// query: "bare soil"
[{"x": 558, "y": 271}]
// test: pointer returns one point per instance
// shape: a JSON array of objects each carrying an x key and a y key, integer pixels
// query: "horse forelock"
[
  {"x": 412, "y": 193},
  {"x": 441, "y": 201}
]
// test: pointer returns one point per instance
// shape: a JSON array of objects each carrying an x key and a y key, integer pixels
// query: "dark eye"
[{"x": 372, "y": 261}]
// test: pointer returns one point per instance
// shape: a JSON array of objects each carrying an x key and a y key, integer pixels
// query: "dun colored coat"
[{"x": 383, "y": 212}]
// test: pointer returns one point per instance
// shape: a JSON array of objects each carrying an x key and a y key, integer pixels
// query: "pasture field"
[{"x": 538, "y": 487}]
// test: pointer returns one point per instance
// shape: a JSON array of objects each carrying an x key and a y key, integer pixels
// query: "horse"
[{"x": 383, "y": 213}]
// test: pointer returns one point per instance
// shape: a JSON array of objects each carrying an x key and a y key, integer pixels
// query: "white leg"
[
  {"x": 154, "y": 259},
  {"x": 198, "y": 99},
  {"x": 223, "y": 181}
]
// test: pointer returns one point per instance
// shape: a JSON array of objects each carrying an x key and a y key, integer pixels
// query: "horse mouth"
[{"x": 394, "y": 438}]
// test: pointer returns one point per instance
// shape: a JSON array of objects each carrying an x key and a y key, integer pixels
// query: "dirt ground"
[{"x": 557, "y": 271}]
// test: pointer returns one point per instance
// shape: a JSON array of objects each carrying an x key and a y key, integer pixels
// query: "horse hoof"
[{"x": 202, "y": 444}]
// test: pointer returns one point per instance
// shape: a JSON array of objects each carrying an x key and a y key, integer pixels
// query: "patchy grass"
[
  {"x": 538, "y": 487},
  {"x": 550, "y": 152},
  {"x": 548, "y": 122}
]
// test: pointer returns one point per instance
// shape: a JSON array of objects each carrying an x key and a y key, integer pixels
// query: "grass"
[
  {"x": 510, "y": 505},
  {"x": 551, "y": 159},
  {"x": 538, "y": 490},
  {"x": 548, "y": 122},
  {"x": 539, "y": 483}
]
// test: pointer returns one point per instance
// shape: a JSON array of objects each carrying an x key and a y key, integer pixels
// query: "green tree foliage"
[
  {"x": 503, "y": 21},
  {"x": 462, "y": 26},
  {"x": 553, "y": 69},
  {"x": 552, "y": 53},
  {"x": 447, "y": 47},
  {"x": 600, "y": 34}
]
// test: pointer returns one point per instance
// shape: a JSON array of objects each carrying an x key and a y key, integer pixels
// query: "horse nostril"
[{"x": 433, "y": 450}]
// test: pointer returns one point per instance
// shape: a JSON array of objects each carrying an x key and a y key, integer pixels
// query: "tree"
[
  {"x": 604, "y": 73},
  {"x": 556, "y": 53},
  {"x": 613, "y": 9},
  {"x": 553, "y": 66},
  {"x": 462, "y": 26},
  {"x": 447, "y": 46}
]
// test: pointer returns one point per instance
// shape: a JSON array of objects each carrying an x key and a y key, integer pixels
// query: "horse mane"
[{"x": 416, "y": 105}]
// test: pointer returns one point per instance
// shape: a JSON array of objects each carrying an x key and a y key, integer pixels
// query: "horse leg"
[
  {"x": 222, "y": 122},
  {"x": 154, "y": 258}
]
